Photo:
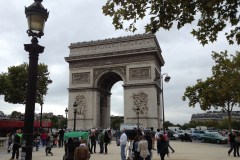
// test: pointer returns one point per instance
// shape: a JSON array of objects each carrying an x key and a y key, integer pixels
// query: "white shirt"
[
  {"x": 123, "y": 139},
  {"x": 157, "y": 135}
]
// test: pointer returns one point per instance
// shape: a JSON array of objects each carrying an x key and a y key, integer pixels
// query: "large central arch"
[{"x": 94, "y": 67}]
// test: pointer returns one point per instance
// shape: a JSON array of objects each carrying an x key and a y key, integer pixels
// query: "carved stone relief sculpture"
[
  {"x": 81, "y": 105},
  {"x": 140, "y": 103}
]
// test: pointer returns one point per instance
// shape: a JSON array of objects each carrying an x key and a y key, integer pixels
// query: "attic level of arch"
[{"x": 114, "y": 60}]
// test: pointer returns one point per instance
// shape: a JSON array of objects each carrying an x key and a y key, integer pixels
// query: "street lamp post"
[
  {"x": 41, "y": 93},
  {"x": 137, "y": 110},
  {"x": 75, "y": 113},
  {"x": 66, "y": 112},
  {"x": 166, "y": 79},
  {"x": 37, "y": 16}
]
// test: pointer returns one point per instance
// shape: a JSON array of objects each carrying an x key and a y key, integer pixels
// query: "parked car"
[
  {"x": 180, "y": 132},
  {"x": 214, "y": 137},
  {"x": 172, "y": 134},
  {"x": 196, "y": 134}
]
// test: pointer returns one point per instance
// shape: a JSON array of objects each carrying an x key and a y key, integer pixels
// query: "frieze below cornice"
[
  {"x": 73, "y": 58},
  {"x": 112, "y": 60}
]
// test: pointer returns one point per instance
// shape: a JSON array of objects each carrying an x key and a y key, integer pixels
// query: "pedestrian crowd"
[
  {"x": 45, "y": 138},
  {"x": 137, "y": 146},
  {"x": 81, "y": 149}
]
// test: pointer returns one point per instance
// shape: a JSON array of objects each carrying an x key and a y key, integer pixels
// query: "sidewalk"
[{"x": 183, "y": 151}]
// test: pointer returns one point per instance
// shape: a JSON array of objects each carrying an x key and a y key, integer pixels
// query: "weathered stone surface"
[{"x": 94, "y": 67}]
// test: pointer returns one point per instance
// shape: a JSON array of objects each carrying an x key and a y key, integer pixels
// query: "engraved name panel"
[
  {"x": 140, "y": 73},
  {"x": 81, "y": 78}
]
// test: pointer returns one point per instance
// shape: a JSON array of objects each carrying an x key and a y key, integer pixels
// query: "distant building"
[{"x": 215, "y": 116}]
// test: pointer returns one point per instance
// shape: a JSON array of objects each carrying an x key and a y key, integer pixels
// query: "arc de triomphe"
[{"x": 95, "y": 66}]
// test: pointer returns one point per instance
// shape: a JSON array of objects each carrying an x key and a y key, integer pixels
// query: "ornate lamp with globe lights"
[{"x": 36, "y": 16}]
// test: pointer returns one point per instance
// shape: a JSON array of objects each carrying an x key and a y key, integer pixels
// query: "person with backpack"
[
  {"x": 16, "y": 144},
  {"x": 162, "y": 146}
]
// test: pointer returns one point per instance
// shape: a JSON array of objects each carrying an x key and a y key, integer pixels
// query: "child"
[{"x": 48, "y": 146}]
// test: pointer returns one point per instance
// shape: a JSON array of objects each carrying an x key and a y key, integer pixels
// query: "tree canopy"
[
  {"x": 13, "y": 84},
  {"x": 222, "y": 90},
  {"x": 212, "y": 16}
]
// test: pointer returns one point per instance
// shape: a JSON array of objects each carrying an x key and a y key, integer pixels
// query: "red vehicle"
[{"x": 8, "y": 125}]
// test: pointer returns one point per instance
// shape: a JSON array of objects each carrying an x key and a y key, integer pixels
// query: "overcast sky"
[{"x": 82, "y": 20}]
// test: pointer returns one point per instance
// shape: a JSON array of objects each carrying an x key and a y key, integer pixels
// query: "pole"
[
  {"x": 163, "y": 105},
  {"x": 34, "y": 49},
  {"x": 66, "y": 120},
  {"x": 41, "y": 117},
  {"x": 138, "y": 119},
  {"x": 75, "y": 112}
]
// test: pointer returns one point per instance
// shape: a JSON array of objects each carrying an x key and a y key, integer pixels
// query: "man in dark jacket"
[
  {"x": 149, "y": 140},
  {"x": 231, "y": 140},
  {"x": 107, "y": 139},
  {"x": 17, "y": 144},
  {"x": 61, "y": 135}
]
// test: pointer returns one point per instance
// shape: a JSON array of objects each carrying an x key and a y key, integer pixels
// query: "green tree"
[
  {"x": 54, "y": 120},
  {"x": 13, "y": 84},
  {"x": 166, "y": 124},
  {"x": 222, "y": 90},
  {"x": 212, "y": 16},
  {"x": 116, "y": 121},
  {"x": 15, "y": 114}
]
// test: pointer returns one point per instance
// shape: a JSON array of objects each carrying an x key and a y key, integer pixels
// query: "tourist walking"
[
  {"x": 93, "y": 141},
  {"x": 36, "y": 139},
  {"x": 48, "y": 146},
  {"x": 60, "y": 140},
  {"x": 232, "y": 142},
  {"x": 162, "y": 147},
  {"x": 101, "y": 141},
  {"x": 16, "y": 144},
  {"x": 135, "y": 147},
  {"x": 167, "y": 139},
  {"x": 10, "y": 140},
  {"x": 123, "y": 143},
  {"x": 237, "y": 140},
  {"x": 149, "y": 140},
  {"x": 107, "y": 139},
  {"x": 143, "y": 149},
  {"x": 43, "y": 138},
  {"x": 152, "y": 134},
  {"x": 157, "y": 134}
]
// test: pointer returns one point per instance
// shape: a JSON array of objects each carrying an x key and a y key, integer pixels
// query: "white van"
[{"x": 174, "y": 128}]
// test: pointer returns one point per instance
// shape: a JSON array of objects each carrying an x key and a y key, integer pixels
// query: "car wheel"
[
  {"x": 203, "y": 140},
  {"x": 218, "y": 142},
  {"x": 194, "y": 138}
]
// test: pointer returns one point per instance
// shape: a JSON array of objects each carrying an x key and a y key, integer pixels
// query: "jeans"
[
  {"x": 123, "y": 155},
  {"x": 93, "y": 146},
  {"x": 15, "y": 150},
  {"x": 101, "y": 147}
]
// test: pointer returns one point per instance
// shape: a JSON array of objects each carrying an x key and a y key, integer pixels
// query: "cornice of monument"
[
  {"x": 111, "y": 40},
  {"x": 128, "y": 45}
]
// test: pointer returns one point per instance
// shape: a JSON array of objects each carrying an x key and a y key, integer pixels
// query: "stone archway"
[{"x": 97, "y": 65}]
